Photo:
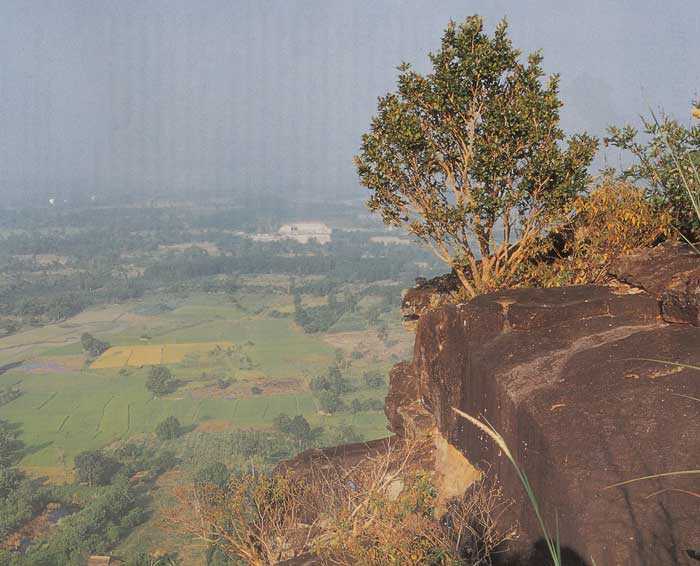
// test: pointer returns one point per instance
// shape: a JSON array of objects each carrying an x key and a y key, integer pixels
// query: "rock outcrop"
[
  {"x": 669, "y": 273},
  {"x": 566, "y": 376},
  {"x": 590, "y": 386}
]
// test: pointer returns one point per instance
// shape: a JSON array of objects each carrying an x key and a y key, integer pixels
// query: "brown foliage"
[
  {"x": 612, "y": 220},
  {"x": 380, "y": 512},
  {"x": 256, "y": 518}
]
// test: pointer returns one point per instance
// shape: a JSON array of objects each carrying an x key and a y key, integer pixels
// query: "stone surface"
[
  {"x": 427, "y": 295},
  {"x": 557, "y": 372},
  {"x": 671, "y": 274},
  {"x": 566, "y": 376}
]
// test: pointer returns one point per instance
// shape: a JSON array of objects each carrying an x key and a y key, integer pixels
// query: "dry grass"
[
  {"x": 614, "y": 219},
  {"x": 379, "y": 512}
]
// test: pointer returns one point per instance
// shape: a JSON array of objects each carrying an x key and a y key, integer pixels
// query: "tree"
[
  {"x": 668, "y": 160},
  {"x": 469, "y": 158},
  {"x": 10, "y": 444},
  {"x": 330, "y": 402},
  {"x": 373, "y": 379},
  {"x": 94, "y": 468},
  {"x": 169, "y": 428},
  {"x": 282, "y": 423},
  {"x": 301, "y": 431},
  {"x": 93, "y": 346},
  {"x": 159, "y": 380}
]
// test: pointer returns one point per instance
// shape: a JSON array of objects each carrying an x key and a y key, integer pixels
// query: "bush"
[
  {"x": 373, "y": 379},
  {"x": 169, "y": 428},
  {"x": 92, "y": 346},
  {"x": 94, "y": 468},
  {"x": 330, "y": 402},
  {"x": 215, "y": 473},
  {"x": 668, "y": 160},
  {"x": 344, "y": 516},
  {"x": 298, "y": 428},
  {"x": 614, "y": 219},
  {"x": 159, "y": 380}
]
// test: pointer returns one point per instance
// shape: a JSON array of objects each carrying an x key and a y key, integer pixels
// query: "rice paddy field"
[
  {"x": 70, "y": 404},
  {"x": 156, "y": 354}
]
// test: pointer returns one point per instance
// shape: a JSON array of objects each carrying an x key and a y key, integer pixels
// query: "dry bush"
[
  {"x": 388, "y": 529},
  {"x": 612, "y": 220},
  {"x": 260, "y": 519},
  {"x": 380, "y": 512}
]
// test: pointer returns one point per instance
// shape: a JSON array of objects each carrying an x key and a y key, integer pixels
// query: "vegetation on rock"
[
  {"x": 667, "y": 160},
  {"x": 470, "y": 159}
]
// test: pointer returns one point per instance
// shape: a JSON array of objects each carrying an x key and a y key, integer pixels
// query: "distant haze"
[{"x": 157, "y": 96}]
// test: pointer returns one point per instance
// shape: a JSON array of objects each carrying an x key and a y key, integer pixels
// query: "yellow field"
[
  {"x": 116, "y": 357},
  {"x": 153, "y": 354},
  {"x": 146, "y": 356}
]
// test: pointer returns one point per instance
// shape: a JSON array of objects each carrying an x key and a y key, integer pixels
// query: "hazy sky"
[{"x": 151, "y": 95}]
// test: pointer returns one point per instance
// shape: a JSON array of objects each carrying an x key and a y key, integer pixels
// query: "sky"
[{"x": 162, "y": 96}]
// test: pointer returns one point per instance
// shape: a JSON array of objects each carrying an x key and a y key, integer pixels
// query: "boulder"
[
  {"x": 671, "y": 274},
  {"x": 565, "y": 375}
]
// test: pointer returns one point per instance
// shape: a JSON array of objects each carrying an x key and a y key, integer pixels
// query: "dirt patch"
[
  {"x": 243, "y": 389},
  {"x": 75, "y": 362},
  {"x": 214, "y": 425},
  {"x": 54, "y": 475},
  {"x": 56, "y": 364}
]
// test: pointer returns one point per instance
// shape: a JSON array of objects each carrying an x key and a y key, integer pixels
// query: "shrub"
[
  {"x": 93, "y": 346},
  {"x": 159, "y": 380},
  {"x": 330, "y": 401},
  {"x": 612, "y": 220},
  {"x": 215, "y": 473},
  {"x": 169, "y": 428},
  {"x": 94, "y": 468},
  {"x": 470, "y": 157},
  {"x": 373, "y": 379},
  {"x": 377, "y": 513},
  {"x": 254, "y": 518},
  {"x": 667, "y": 161}
]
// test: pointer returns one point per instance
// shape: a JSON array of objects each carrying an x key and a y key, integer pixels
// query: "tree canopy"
[
  {"x": 470, "y": 158},
  {"x": 93, "y": 346},
  {"x": 94, "y": 468},
  {"x": 169, "y": 428},
  {"x": 159, "y": 380}
]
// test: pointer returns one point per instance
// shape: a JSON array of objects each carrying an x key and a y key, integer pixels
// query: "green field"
[{"x": 66, "y": 407}]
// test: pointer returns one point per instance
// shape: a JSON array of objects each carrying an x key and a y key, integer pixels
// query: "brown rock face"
[
  {"x": 559, "y": 373},
  {"x": 671, "y": 274},
  {"x": 427, "y": 295}
]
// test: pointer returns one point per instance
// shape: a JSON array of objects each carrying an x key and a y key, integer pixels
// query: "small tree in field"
[
  {"x": 93, "y": 346},
  {"x": 94, "y": 468},
  {"x": 169, "y": 428},
  {"x": 159, "y": 380},
  {"x": 470, "y": 157}
]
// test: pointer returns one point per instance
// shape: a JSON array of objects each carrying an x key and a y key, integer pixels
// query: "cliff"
[
  {"x": 568, "y": 377},
  {"x": 565, "y": 375}
]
